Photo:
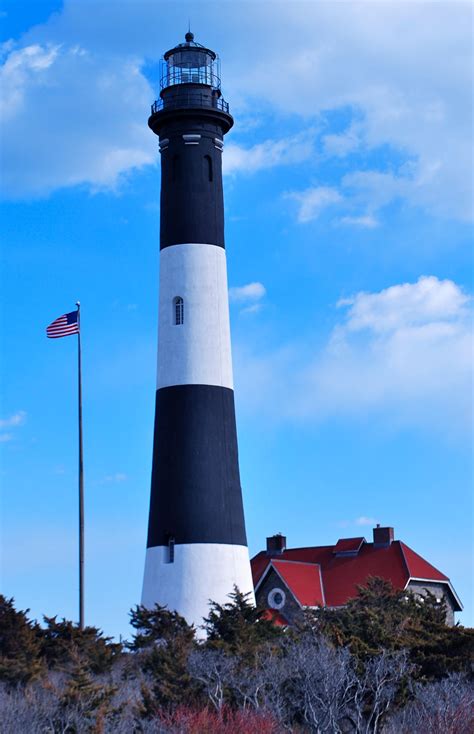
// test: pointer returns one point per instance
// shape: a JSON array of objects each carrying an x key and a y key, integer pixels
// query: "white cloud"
[
  {"x": 312, "y": 201},
  {"x": 250, "y": 292},
  {"x": 366, "y": 221},
  {"x": 405, "y": 74},
  {"x": 268, "y": 154},
  {"x": 428, "y": 301},
  {"x": 362, "y": 520},
  {"x": 402, "y": 77},
  {"x": 72, "y": 117},
  {"x": 13, "y": 421},
  {"x": 17, "y": 419},
  {"x": 342, "y": 144},
  {"x": 403, "y": 354},
  {"x": 254, "y": 308},
  {"x": 21, "y": 68}
]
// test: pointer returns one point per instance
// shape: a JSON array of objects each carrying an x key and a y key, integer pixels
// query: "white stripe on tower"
[
  {"x": 199, "y": 569},
  {"x": 196, "y": 352}
]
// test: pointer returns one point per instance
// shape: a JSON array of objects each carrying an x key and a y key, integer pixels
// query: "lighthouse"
[{"x": 197, "y": 546}]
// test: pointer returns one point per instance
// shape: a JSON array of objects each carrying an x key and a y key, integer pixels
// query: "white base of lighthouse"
[{"x": 200, "y": 573}]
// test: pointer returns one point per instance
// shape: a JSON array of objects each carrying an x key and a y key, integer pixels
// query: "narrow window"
[
  {"x": 170, "y": 550},
  {"x": 175, "y": 168},
  {"x": 178, "y": 310},
  {"x": 207, "y": 168}
]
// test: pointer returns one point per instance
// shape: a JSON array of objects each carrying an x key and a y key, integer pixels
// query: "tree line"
[{"x": 386, "y": 663}]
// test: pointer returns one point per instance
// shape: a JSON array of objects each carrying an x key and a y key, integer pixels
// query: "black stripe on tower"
[
  {"x": 195, "y": 488},
  {"x": 192, "y": 201}
]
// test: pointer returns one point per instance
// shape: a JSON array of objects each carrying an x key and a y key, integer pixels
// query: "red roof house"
[{"x": 289, "y": 579}]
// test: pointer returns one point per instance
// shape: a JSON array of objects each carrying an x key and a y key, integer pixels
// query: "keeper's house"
[{"x": 287, "y": 580}]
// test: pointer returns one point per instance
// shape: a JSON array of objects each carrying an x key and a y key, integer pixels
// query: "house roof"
[
  {"x": 418, "y": 567},
  {"x": 325, "y": 575},
  {"x": 303, "y": 579}
]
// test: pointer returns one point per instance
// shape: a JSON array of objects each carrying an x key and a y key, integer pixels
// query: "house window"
[
  {"x": 276, "y": 599},
  {"x": 178, "y": 311}
]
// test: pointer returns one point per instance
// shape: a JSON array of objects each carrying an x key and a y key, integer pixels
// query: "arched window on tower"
[
  {"x": 178, "y": 311},
  {"x": 175, "y": 168},
  {"x": 207, "y": 168}
]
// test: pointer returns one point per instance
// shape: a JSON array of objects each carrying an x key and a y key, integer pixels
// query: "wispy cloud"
[
  {"x": 13, "y": 421},
  {"x": 409, "y": 103},
  {"x": 312, "y": 201},
  {"x": 254, "y": 308},
  {"x": 248, "y": 297},
  {"x": 366, "y": 221},
  {"x": 17, "y": 419},
  {"x": 245, "y": 293},
  {"x": 270, "y": 153},
  {"x": 343, "y": 143},
  {"x": 410, "y": 100},
  {"x": 404, "y": 352},
  {"x": 55, "y": 81},
  {"x": 363, "y": 520}
]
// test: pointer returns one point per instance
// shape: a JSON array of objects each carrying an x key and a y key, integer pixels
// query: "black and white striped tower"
[{"x": 197, "y": 546}]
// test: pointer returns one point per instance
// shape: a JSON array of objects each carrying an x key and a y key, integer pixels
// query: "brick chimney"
[
  {"x": 383, "y": 537},
  {"x": 276, "y": 544}
]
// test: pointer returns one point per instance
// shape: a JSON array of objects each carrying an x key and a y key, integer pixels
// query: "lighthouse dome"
[{"x": 190, "y": 63}]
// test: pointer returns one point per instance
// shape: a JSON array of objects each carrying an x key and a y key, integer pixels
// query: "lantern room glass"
[{"x": 190, "y": 65}]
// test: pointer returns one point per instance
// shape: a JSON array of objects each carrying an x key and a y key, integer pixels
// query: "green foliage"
[
  {"x": 63, "y": 641},
  {"x": 238, "y": 626},
  {"x": 384, "y": 618},
  {"x": 88, "y": 696},
  {"x": 164, "y": 641},
  {"x": 359, "y": 663},
  {"x": 20, "y": 645},
  {"x": 155, "y": 625}
]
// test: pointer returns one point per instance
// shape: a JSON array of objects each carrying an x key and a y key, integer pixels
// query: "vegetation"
[
  {"x": 384, "y": 618},
  {"x": 386, "y": 663}
]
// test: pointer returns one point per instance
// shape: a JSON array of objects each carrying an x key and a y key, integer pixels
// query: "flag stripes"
[{"x": 63, "y": 326}]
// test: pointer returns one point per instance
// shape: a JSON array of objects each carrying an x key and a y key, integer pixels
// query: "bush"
[{"x": 351, "y": 670}]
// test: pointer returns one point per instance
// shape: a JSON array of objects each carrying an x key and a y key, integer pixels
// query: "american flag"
[{"x": 63, "y": 326}]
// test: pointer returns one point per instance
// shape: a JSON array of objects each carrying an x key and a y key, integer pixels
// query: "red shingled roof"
[
  {"x": 341, "y": 574},
  {"x": 304, "y": 580},
  {"x": 418, "y": 568}
]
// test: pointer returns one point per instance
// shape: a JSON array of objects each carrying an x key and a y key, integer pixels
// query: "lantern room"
[{"x": 190, "y": 63}]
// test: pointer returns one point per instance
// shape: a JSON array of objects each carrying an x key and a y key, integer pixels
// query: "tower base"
[{"x": 199, "y": 573}]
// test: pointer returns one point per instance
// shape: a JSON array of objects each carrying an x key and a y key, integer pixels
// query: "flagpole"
[{"x": 81, "y": 475}]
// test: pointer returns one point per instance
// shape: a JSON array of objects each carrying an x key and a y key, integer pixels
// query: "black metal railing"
[{"x": 190, "y": 99}]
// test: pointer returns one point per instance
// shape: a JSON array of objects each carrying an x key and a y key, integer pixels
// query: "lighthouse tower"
[{"x": 197, "y": 546}]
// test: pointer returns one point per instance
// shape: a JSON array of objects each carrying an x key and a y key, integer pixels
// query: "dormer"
[{"x": 348, "y": 547}]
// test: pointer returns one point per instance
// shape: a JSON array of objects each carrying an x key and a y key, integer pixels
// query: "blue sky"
[{"x": 348, "y": 199}]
